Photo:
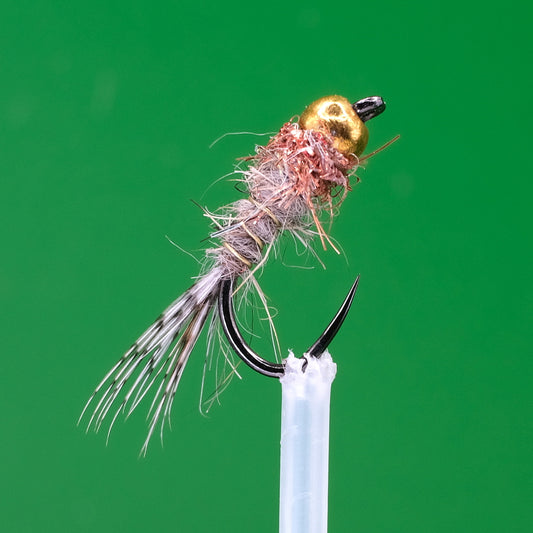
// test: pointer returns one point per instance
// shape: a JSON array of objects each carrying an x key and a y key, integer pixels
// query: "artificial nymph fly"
[{"x": 303, "y": 171}]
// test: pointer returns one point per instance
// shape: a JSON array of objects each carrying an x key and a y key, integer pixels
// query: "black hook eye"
[
  {"x": 254, "y": 360},
  {"x": 370, "y": 107}
]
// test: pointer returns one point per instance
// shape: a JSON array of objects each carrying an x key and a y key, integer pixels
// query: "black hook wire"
[
  {"x": 370, "y": 107},
  {"x": 253, "y": 359}
]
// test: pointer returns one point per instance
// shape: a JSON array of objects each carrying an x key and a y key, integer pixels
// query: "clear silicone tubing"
[{"x": 305, "y": 444}]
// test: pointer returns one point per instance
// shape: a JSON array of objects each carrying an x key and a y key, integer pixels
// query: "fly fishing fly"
[{"x": 302, "y": 172}]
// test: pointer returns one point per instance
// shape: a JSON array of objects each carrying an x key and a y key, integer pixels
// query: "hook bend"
[{"x": 253, "y": 359}]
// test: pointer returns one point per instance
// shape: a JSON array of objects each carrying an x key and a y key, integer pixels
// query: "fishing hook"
[{"x": 253, "y": 359}]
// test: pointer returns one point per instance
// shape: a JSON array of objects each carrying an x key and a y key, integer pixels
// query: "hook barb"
[{"x": 253, "y": 359}]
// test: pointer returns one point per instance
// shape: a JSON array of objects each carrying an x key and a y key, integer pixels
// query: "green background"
[{"x": 107, "y": 111}]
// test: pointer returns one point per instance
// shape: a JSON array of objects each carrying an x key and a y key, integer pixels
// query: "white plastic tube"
[{"x": 305, "y": 444}]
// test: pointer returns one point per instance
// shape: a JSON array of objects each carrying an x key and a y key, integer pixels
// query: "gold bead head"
[{"x": 335, "y": 116}]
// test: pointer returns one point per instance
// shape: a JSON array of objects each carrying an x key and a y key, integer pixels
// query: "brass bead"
[{"x": 334, "y": 115}]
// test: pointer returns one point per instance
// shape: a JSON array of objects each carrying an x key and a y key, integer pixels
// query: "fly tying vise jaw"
[{"x": 336, "y": 116}]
